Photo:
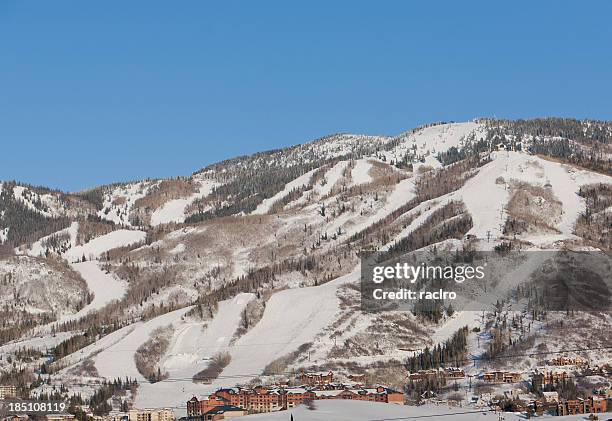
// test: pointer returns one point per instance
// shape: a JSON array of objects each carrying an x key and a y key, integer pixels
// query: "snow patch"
[
  {"x": 265, "y": 206},
  {"x": 100, "y": 245},
  {"x": 174, "y": 210},
  {"x": 361, "y": 172}
]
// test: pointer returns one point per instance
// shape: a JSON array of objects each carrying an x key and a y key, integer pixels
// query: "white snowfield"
[
  {"x": 119, "y": 202},
  {"x": 37, "y": 248},
  {"x": 402, "y": 193},
  {"x": 28, "y": 197},
  {"x": 118, "y": 359},
  {"x": 95, "y": 248},
  {"x": 104, "y": 286},
  {"x": 69, "y": 361},
  {"x": 431, "y": 140},
  {"x": 265, "y": 206},
  {"x": 292, "y": 317},
  {"x": 486, "y": 200},
  {"x": 174, "y": 210},
  {"x": 347, "y": 410},
  {"x": 332, "y": 176},
  {"x": 192, "y": 347},
  {"x": 361, "y": 172},
  {"x": 41, "y": 343}
]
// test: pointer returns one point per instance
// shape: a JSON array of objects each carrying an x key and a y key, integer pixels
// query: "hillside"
[{"x": 257, "y": 259}]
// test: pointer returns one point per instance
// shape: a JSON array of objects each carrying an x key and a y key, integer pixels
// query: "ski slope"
[
  {"x": 41, "y": 343},
  {"x": 118, "y": 359},
  {"x": 95, "y": 248},
  {"x": 37, "y": 248},
  {"x": 429, "y": 141},
  {"x": 104, "y": 286},
  {"x": 292, "y": 317},
  {"x": 486, "y": 200},
  {"x": 361, "y": 172},
  {"x": 402, "y": 193},
  {"x": 332, "y": 176},
  {"x": 265, "y": 206},
  {"x": 119, "y": 202},
  {"x": 174, "y": 210},
  {"x": 192, "y": 346}
]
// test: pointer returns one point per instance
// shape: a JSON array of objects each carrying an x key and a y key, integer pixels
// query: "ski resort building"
[
  {"x": 549, "y": 378},
  {"x": 501, "y": 377},
  {"x": 223, "y": 412},
  {"x": 151, "y": 415},
  {"x": 313, "y": 379},
  {"x": 8, "y": 392},
  {"x": 60, "y": 417},
  {"x": 263, "y": 399},
  {"x": 447, "y": 373},
  {"x": 562, "y": 361},
  {"x": 590, "y": 405}
]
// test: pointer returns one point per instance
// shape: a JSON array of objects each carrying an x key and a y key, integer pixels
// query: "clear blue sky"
[{"x": 96, "y": 92}]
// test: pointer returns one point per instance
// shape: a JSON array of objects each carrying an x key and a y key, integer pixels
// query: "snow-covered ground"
[
  {"x": 332, "y": 176},
  {"x": 292, "y": 317},
  {"x": 104, "y": 286},
  {"x": 429, "y": 141},
  {"x": 41, "y": 343},
  {"x": 402, "y": 193},
  {"x": 37, "y": 248},
  {"x": 95, "y": 248},
  {"x": 28, "y": 198},
  {"x": 118, "y": 359},
  {"x": 486, "y": 199},
  {"x": 100, "y": 345},
  {"x": 265, "y": 206},
  {"x": 361, "y": 172},
  {"x": 4, "y": 234},
  {"x": 174, "y": 210},
  {"x": 345, "y": 410},
  {"x": 192, "y": 346},
  {"x": 119, "y": 201}
]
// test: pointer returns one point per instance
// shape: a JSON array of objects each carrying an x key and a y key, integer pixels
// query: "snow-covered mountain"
[{"x": 256, "y": 257}]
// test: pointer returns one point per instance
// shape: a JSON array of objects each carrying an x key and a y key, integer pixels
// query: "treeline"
[
  {"x": 450, "y": 221},
  {"x": 583, "y": 131},
  {"x": 248, "y": 180},
  {"x": 14, "y": 323},
  {"x": 581, "y": 142},
  {"x": 428, "y": 186},
  {"x": 471, "y": 148},
  {"x": 74, "y": 343},
  {"x": 26, "y": 225},
  {"x": 448, "y": 179},
  {"x": 94, "y": 196},
  {"x": 98, "y": 402},
  {"x": 248, "y": 188},
  {"x": 595, "y": 223},
  {"x": 450, "y": 354},
  {"x": 316, "y": 266}
]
